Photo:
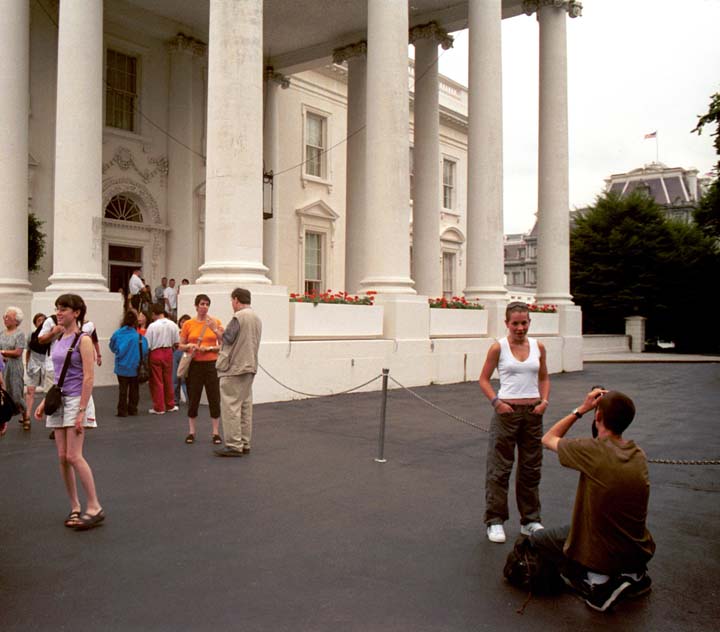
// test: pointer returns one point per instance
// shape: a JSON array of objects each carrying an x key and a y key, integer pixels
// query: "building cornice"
[
  {"x": 573, "y": 7},
  {"x": 182, "y": 43},
  {"x": 358, "y": 49},
  {"x": 432, "y": 31}
]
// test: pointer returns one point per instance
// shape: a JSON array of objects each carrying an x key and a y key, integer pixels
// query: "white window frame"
[
  {"x": 317, "y": 218},
  {"x": 322, "y": 280},
  {"x": 140, "y": 52},
  {"x": 451, "y": 186},
  {"x": 451, "y": 255},
  {"x": 325, "y": 176}
]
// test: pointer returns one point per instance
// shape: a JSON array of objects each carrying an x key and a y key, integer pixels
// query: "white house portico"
[{"x": 169, "y": 119}]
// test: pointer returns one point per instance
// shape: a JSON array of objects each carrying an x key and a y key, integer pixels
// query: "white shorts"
[
  {"x": 64, "y": 416},
  {"x": 35, "y": 370}
]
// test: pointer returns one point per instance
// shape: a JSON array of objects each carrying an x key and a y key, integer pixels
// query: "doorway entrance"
[{"x": 122, "y": 260}]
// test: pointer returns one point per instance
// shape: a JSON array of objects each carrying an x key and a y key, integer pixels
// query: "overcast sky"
[{"x": 634, "y": 67}]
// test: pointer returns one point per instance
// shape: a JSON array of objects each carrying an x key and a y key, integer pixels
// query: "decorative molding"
[
  {"x": 124, "y": 159},
  {"x": 182, "y": 43},
  {"x": 573, "y": 7},
  {"x": 277, "y": 77},
  {"x": 432, "y": 30},
  {"x": 141, "y": 194},
  {"x": 358, "y": 49}
]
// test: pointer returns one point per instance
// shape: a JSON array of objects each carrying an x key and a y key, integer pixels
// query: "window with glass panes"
[
  {"x": 448, "y": 277},
  {"x": 448, "y": 183},
  {"x": 313, "y": 262},
  {"x": 121, "y": 77},
  {"x": 315, "y": 145}
]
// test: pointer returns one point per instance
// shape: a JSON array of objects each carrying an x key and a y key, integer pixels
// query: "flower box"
[
  {"x": 327, "y": 321},
  {"x": 544, "y": 324},
  {"x": 458, "y": 323}
]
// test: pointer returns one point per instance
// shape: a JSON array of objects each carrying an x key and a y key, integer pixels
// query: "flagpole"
[{"x": 657, "y": 148}]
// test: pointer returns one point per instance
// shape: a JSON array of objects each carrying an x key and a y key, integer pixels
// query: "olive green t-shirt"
[{"x": 608, "y": 533}]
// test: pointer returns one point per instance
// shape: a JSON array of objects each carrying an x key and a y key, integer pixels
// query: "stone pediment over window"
[
  {"x": 453, "y": 235},
  {"x": 318, "y": 210},
  {"x": 317, "y": 216}
]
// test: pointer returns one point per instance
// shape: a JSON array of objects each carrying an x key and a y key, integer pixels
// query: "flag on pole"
[{"x": 651, "y": 135}]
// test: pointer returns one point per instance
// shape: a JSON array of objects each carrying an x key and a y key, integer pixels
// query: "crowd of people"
[
  {"x": 62, "y": 354},
  {"x": 602, "y": 554}
]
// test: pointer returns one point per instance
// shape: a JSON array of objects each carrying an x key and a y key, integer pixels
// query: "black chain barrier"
[
  {"x": 350, "y": 390},
  {"x": 455, "y": 417},
  {"x": 469, "y": 423}
]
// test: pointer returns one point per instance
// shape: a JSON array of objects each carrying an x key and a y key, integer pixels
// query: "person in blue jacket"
[{"x": 125, "y": 343}]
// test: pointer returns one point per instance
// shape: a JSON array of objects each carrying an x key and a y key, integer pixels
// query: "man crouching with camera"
[{"x": 604, "y": 552}]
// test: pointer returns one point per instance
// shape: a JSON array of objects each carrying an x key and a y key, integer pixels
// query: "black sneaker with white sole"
[
  {"x": 637, "y": 587},
  {"x": 603, "y": 596}
]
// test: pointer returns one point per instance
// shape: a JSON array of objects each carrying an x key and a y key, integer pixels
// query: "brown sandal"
[
  {"x": 190, "y": 438},
  {"x": 73, "y": 519},
  {"x": 216, "y": 439},
  {"x": 26, "y": 423}
]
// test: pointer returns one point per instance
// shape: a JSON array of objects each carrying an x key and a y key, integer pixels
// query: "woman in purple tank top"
[{"x": 77, "y": 411}]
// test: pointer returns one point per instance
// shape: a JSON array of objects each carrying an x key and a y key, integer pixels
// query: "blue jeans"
[{"x": 178, "y": 382}]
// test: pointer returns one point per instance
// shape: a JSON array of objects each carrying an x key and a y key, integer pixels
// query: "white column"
[
  {"x": 271, "y": 141},
  {"x": 357, "y": 239},
  {"x": 553, "y": 278},
  {"x": 387, "y": 265},
  {"x": 181, "y": 160},
  {"x": 77, "y": 230},
  {"x": 426, "y": 263},
  {"x": 14, "y": 87},
  {"x": 485, "y": 273},
  {"x": 234, "y": 185}
]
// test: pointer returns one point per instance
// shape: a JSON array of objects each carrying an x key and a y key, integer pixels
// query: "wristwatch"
[{"x": 577, "y": 413}]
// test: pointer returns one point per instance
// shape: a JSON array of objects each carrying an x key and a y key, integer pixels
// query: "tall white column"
[
  {"x": 234, "y": 185},
  {"x": 387, "y": 266},
  {"x": 14, "y": 86},
  {"x": 357, "y": 239},
  {"x": 271, "y": 141},
  {"x": 181, "y": 181},
  {"x": 553, "y": 279},
  {"x": 485, "y": 273},
  {"x": 427, "y": 262},
  {"x": 77, "y": 230}
]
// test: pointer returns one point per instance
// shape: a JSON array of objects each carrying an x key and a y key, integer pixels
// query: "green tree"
[
  {"x": 627, "y": 259},
  {"x": 36, "y": 242},
  {"x": 707, "y": 214}
]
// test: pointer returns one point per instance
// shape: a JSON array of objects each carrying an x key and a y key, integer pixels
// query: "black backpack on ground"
[{"x": 526, "y": 569}]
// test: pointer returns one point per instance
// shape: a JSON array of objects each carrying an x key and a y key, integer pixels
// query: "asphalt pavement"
[{"x": 310, "y": 533}]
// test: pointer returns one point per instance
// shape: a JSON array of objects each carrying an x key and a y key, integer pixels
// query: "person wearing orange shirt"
[{"x": 199, "y": 336}]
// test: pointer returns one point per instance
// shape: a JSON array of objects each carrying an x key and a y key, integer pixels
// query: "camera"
[{"x": 594, "y": 427}]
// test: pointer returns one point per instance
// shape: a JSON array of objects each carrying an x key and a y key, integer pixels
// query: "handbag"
[
  {"x": 143, "y": 370},
  {"x": 184, "y": 364},
  {"x": 53, "y": 398},
  {"x": 8, "y": 407}
]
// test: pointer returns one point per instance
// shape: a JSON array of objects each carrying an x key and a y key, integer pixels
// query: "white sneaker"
[
  {"x": 152, "y": 411},
  {"x": 173, "y": 409},
  {"x": 496, "y": 533},
  {"x": 530, "y": 528}
]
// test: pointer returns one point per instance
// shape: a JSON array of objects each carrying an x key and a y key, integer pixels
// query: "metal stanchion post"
[{"x": 383, "y": 407}]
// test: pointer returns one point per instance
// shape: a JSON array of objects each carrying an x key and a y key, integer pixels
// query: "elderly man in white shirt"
[
  {"x": 162, "y": 335},
  {"x": 135, "y": 286}
]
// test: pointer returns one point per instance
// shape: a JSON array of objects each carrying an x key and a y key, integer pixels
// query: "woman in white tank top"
[{"x": 519, "y": 406}]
